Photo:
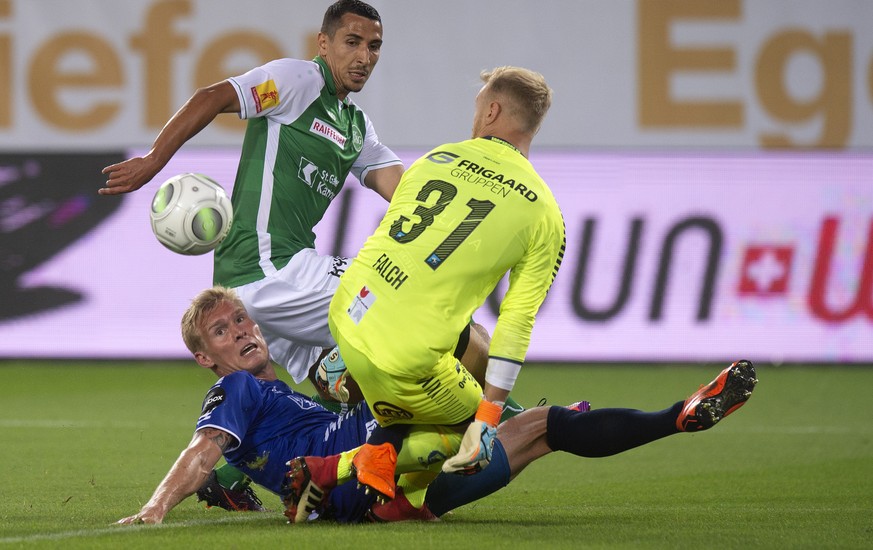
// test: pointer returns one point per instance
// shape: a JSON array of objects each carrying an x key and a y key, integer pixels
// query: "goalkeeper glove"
[
  {"x": 331, "y": 376},
  {"x": 478, "y": 442}
]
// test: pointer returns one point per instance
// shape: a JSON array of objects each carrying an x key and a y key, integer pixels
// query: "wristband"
[
  {"x": 501, "y": 373},
  {"x": 489, "y": 412}
]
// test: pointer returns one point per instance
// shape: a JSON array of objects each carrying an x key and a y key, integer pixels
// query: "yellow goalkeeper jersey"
[{"x": 462, "y": 216}]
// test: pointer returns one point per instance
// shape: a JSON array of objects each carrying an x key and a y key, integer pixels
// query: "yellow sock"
[
  {"x": 415, "y": 486},
  {"x": 344, "y": 467}
]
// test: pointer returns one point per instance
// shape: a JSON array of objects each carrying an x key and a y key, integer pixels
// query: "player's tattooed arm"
[
  {"x": 189, "y": 473},
  {"x": 219, "y": 437}
]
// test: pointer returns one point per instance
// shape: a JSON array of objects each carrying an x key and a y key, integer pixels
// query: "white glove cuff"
[{"x": 501, "y": 373}]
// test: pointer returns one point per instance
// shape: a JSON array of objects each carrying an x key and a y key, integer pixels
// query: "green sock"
[
  {"x": 331, "y": 405},
  {"x": 511, "y": 408},
  {"x": 231, "y": 478}
]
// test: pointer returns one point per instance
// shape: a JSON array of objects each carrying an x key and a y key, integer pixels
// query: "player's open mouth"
[{"x": 248, "y": 349}]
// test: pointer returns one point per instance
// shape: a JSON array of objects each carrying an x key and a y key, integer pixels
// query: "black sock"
[
  {"x": 391, "y": 434},
  {"x": 605, "y": 432}
]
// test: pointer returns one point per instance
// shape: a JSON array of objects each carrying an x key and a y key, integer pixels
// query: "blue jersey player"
[
  {"x": 258, "y": 423},
  {"x": 267, "y": 420}
]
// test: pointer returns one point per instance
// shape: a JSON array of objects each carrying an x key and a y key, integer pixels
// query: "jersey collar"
[
  {"x": 328, "y": 78},
  {"x": 496, "y": 139}
]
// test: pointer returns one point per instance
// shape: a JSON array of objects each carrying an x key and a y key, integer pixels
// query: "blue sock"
[
  {"x": 606, "y": 432},
  {"x": 450, "y": 491}
]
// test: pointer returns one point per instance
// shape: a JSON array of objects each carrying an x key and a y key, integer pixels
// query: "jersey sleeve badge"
[{"x": 266, "y": 95}]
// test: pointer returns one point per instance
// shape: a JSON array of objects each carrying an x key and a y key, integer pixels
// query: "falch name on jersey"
[{"x": 327, "y": 131}]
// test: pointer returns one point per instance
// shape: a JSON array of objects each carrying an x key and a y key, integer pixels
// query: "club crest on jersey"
[
  {"x": 260, "y": 462},
  {"x": 357, "y": 139},
  {"x": 328, "y": 132}
]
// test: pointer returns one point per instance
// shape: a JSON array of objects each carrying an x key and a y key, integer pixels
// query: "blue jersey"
[{"x": 271, "y": 424}]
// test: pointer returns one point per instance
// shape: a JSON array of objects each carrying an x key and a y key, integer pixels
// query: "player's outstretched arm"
[
  {"x": 196, "y": 114},
  {"x": 384, "y": 180},
  {"x": 188, "y": 474}
]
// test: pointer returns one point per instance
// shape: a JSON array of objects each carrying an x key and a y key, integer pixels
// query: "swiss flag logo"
[{"x": 765, "y": 270}]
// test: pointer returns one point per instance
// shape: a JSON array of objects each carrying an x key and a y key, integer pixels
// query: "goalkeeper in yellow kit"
[{"x": 462, "y": 216}]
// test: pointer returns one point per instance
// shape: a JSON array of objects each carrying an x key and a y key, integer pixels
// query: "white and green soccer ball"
[{"x": 191, "y": 214}]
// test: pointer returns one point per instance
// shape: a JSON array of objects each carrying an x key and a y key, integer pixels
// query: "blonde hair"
[
  {"x": 529, "y": 95},
  {"x": 201, "y": 306}
]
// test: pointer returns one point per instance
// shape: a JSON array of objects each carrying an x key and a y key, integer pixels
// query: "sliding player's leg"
[
  {"x": 229, "y": 488},
  {"x": 599, "y": 433},
  {"x": 310, "y": 478}
]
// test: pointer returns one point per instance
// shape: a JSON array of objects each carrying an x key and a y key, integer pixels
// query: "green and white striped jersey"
[{"x": 300, "y": 144}]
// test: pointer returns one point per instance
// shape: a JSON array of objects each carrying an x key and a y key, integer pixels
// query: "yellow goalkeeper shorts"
[{"x": 445, "y": 394}]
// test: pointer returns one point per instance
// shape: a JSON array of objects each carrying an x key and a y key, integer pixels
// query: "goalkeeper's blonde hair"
[
  {"x": 201, "y": 306},
  {"x": 528, "y": 94}
]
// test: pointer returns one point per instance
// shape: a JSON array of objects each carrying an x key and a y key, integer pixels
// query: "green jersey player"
[{"x": 304, "y": 136}]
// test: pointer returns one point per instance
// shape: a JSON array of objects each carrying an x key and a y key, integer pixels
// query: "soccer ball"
[{"x": 191, "y": 214}]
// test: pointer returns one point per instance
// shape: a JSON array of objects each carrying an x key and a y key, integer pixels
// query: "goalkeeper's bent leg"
[{"x": 426, "y": 448}]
